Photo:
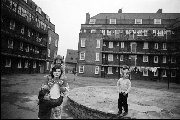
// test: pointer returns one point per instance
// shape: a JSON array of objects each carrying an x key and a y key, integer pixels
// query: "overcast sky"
[{"x": 68, "y": 15}]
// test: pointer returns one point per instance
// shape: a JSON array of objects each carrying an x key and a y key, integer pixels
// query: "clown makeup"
[{"x": 57, "y": 73}]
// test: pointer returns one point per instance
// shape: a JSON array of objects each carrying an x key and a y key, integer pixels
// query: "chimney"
[
  {"x": 159, "y": 11},
  {"x": 87, "y": 18},
  {"x": 120, "y": 11}
]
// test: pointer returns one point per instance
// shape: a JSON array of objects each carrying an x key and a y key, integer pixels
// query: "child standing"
[{"x": 124, "y": 86}]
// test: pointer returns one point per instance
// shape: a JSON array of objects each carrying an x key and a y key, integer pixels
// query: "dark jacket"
[{"x": 45, "y": 107}]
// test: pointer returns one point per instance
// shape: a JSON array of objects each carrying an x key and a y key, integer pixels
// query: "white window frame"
[
  {"x": 112, "y": 21},
  {"x": 92, "y": 21},
  {"x": 97, "y": 70},
  {"x": 81, "y": 69},
  {"x": 110, "y": 57},
  {"x": 122, "y": 44},
  {"x": 50, "y": 39},
  {"x": 154, "y": 32},
  {"x": 8, "y": 62},
  {"x": 164, "y": 46},
  {"x": 117, "y": 43},
  {"x": 26, "y": 64},
  {"x": 49, "y": 52},
  {"x": 164, "y": 59},
  {"x": 83, "y": 42},
  {"x": 108, "y": 32},
  {"x": 138, "y": 21},
  {"x": 82, "y": 56},
  {"x": 93, "y": 31},
  {"x": 156, "y": 46},
  {"x": 10, "y": 44},
  {"x": 102, "y": 68},
  {"x": 145, "y": 72},
  {"x": 110, "y": 44},
  {"x": 164, "y": 73},
  {"x": 19, "y": 64},
  {"x": 145, "y": 32},
  {"x": 160, "y": 33},
  {"x": 173, "y": 75},
  {"x": 139, "y": 32},
  {"x": 145, "y": 45},
  {"x": 121, "y": 57},
  {"x": 155, "y": 59},
  {"x": 103, "y": 32},
  {"x": 34, "y": 64},
  {"x": 145, "y": 58},
  {"x": 27, "y": 48},
  {"x": 56, "y": 43},
  {"x": 97, "y": 57},
  {"x": 110, "y": 70},
  {"x": 157, "y": 21},
  {"x": 47, "y": 65},
  {"x": 29, "y": 33},
  {"x": 104, "y": 56},
  {"x": 156, "y": 73},
  {"x": 98, "y": 43}
]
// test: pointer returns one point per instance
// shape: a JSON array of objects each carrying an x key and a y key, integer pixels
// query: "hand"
[{"x": 124, "y": 93}]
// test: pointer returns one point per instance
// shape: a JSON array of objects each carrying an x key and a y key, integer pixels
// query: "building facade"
[
  {"x": 28, "y": 39},
  {"x": 144, "y": 41},
  {"x": 71, "y": 60}
]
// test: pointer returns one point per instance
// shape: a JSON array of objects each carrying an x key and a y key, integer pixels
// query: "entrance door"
[{"x": 133, "y": 47}]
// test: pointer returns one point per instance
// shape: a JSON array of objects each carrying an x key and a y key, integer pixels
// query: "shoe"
[
  {"x": 119, "y": 112},
  {"x": 125, "y": 113}
]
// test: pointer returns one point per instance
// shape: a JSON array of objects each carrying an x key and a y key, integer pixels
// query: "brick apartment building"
[
  {"x": 71, "y": 60},
  {"x": 28, "y": 39},
  {"x": 146, "y": 42}
]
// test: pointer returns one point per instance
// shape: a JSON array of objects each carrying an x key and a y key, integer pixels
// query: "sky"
[{"x": 68, "y": 15}]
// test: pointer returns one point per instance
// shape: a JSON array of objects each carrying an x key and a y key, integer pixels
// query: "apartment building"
[
  {"x": 146, "y": 42},
  {"x": 28, "y": 39}
]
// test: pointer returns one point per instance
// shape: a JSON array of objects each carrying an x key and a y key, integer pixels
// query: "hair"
[{"x": 57, "y": 66}]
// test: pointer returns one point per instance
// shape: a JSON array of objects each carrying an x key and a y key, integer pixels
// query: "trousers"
[{"x": 122, "y": 102}]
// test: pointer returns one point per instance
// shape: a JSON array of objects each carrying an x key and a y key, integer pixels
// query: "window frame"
[
  {"x": 80, "y": 57},
  {"x": 112, "y": 21},
  {"x": 156, "y": 21},
  {"x": 145, "y": 57},
  {"x": 136, "y": 21},
  {"x": 110, "y": 71},
  {"x": 97, "y": 70},
  {"x": 110, "y": 57},
  {"x": 156, "y": 59},
  {"x": 92, "y": 21},
  {"x": 81, "y": 67},
  {"x": 83, "y": 42},
  {"x": 97, "y": 57}
]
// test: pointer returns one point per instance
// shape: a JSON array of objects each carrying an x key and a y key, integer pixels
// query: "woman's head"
[{"x": 56, "y": 71}]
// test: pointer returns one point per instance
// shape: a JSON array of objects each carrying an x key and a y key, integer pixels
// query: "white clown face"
[{"x": 57, "y": 73}]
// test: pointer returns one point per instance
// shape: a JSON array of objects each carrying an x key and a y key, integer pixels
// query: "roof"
[
  {"x": 136, "y": 16},
  {"x": 71, "y": 56}
]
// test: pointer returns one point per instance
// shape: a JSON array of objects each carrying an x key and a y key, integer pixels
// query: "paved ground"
[{"x": 19, "y": 93}]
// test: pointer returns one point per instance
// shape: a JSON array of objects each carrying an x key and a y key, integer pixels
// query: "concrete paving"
[{"x": 19, "y": 96}]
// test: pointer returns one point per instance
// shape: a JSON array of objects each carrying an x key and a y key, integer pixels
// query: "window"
[
  {"x": 121, "y": 58},
  {"x": 81, "y": 69},
  {"x": 110, "y": 44},
  {"x": 173, "y": 73},
  {"x": 155, "y": 59},
  {"x": 97, "y": 56},
  {"x": 160, "y": 33},
  {"x": 93, "y": 31},
  {"x": 139, "y": 32},
  {"x": 112, "y": 21},
  {"x": 173, "y": 59},
  {"x": 14, "y": 5},
  {"x": 156, "y": 73},
  {"x": 138, "y": 21},
  {"x": 108, "y": 32},
  {"x": 10, "y": 44},
  {"x": 12, "y": 25},
  {"x": 47, "y": 65},
  {"x": 21, "y": 46},
  {"x": 145, "y": 58},
  {"x": 122, "y": 44},
  {"x": 26, "y": 64},
  {"x": 155, "y": 45},
  {"x": 29, "y": 33},
  {"x": 145, "y": 72},
  {"x": 109, "y": 70},
  {"x": 145, "y": 45},
  {"x": 104, "y": 44},
  {"x": 83, "y": 42},
  {"x": 82, "y": 56},
  {"x": 164, "y": 73},
  {"x": 8, "y": 63},
  {"x": 27, "y": 48},
  {"x": 22, "y": 30},
  {"x": 103, "y": 32},
  {"x": 110, "y": 57},
  {"x": 34, "y": 64},
  {"x": 117, "y": 43},
  {"x": 154, "y": 32},
  {"x": 104, "y": 56},
  {"x": 92, "y": 21},
  {"x": 102, "y": 69},
  {"x": 97, "y": 70},
  {"x": 157, "y": 21},
  {"x": 19, "y": 10},
  {"x": 49, "y": 52},
  {"x": 56, "y": 43},
  {"x": 164, "y": 46},
  {"x": 116, "y": 69},
  {"x": 19, "y": 64},
  {"x": 98, "y": 44},
  {"x": 25, "y": 1},
  {"x": 164, "y": 59},
  {"x": 145, "y": 32},
  {"x": 49, "y": 39}
]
